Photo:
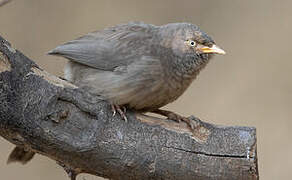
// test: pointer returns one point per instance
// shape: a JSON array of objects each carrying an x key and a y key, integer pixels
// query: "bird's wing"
[{"x": 109, "y": 48}]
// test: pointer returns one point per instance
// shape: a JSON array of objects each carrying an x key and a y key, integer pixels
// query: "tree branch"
[{"x": 49, "y": 116}]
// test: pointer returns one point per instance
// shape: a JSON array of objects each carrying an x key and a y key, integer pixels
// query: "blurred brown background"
[{"x": 250, "y": 86}]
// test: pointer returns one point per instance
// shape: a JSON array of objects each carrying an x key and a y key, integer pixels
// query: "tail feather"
[{"x": 21, "y": 155}]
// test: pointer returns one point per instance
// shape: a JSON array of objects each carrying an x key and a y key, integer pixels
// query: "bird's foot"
[
  {"x": 116, "y": 108},
  {"x": 176, "y": 117}
]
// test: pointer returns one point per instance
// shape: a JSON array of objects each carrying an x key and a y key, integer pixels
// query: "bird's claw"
[
  {"x": 176, "y": 117},
  {"x": 179, "y": 118},
  {"x": 117, "y": 108},
  {"x": 113, "y": 109}
]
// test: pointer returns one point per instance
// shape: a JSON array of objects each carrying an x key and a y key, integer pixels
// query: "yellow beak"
[{"x": 214, "y": 49}]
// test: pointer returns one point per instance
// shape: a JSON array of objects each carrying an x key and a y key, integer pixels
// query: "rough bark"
[{"x": 52, "y": 117}]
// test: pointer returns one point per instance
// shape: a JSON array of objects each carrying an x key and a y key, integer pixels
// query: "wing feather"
[{"x": 109, "y": 48}]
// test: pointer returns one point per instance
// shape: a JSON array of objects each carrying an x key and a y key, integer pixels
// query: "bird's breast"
[{"x": 178, "y": 78}]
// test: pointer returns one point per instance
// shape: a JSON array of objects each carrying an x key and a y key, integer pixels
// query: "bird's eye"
[{"x": 192, "y": 43}]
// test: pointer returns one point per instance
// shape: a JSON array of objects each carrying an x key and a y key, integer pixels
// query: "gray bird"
[
  {"x": 135, "y": 65},
  {"x": 139, "y": 66}
]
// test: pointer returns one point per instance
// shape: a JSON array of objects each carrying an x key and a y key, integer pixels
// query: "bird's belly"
[
  {"x": 148, "y": 100},
  {"x": 139, "y": 93}
]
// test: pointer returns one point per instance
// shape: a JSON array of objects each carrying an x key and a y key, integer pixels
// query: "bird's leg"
[
  {"x": 175, "y": 117},
  {"x": 116, "y": 108}
]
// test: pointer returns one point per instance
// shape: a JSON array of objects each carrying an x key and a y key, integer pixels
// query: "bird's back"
[{"x": 109, "y": 48}]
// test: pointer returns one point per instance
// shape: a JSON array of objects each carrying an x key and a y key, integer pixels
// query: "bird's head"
[{"x": 187, "y": 39}]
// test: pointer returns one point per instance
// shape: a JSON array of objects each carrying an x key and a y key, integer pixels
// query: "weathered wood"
[{"x": 52, "y": 117}]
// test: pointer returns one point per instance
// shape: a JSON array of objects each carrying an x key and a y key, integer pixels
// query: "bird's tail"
[{"x": 21, "y": 155}]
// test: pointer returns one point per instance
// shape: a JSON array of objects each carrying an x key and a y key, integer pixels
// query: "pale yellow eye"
[{"x": 192, "y": 43}]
